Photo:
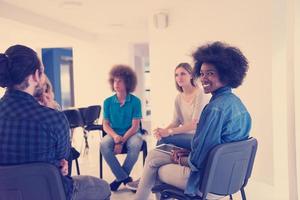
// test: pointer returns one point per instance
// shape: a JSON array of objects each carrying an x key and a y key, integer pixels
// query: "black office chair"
[
  {"x": 144, "y": 149},
  {"x": 75, "y": 120},
  {"x": 90, "y": 116},
  {"x": 227, "y": 171},
  {"x": 33, "y": 181}
]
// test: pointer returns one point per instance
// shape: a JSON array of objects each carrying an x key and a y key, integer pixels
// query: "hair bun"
[{"x": 5, "y": 79}]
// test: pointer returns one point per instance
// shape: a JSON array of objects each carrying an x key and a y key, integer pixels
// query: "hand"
[
  {"x": 48, "y": 101},
  {"x": 160, "y": 133},
  {"x": 156, "y": 133},
  {"x": 118, "y": 139},
  {"x": 64, "y": 167},
  {"x": 177, "y": 154},
  {"x": 118, "y": 148}
]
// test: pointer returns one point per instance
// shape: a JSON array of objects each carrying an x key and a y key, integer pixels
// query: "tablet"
[{"x": 167, "y": 148}]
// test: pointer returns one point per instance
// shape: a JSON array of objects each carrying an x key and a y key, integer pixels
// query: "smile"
[{"x": 205, "y": 85}]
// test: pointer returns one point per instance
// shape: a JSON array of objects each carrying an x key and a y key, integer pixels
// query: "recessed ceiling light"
[
  {"x": 116, "y": 25},
  {"x": 71, "y": 3}
]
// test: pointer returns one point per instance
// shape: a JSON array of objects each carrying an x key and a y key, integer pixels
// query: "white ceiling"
[{"x": 87, "y": 19}]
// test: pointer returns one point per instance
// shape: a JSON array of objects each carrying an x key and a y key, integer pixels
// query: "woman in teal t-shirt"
[{"x": 121, "y": 118}]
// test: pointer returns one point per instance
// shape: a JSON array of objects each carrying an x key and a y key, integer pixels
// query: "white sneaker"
[{"x": 133, "y": 185}]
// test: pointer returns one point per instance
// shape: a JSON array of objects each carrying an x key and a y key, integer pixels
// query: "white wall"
[
  {"x": 296, "y": 58},
  {"x": 266, "y": 31},
  {"x": 248, "y": 25},
  {"x": 92, "y": 60}
]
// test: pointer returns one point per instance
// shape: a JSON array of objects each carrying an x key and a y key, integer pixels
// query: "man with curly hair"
[
  {"x": 121, "y": 118},
  {"x": 224, "y": 119}
]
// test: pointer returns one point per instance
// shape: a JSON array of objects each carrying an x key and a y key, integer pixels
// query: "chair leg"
[
  {"x": 145, "y": 152},
  {"x": 77, "y": 166},
  {"x": 243, "y": 194},
  {"x": 101, "y": 166}
]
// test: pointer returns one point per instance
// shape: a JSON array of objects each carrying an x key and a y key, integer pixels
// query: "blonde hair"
[
  {"x": 187, "y": 67},
  {"x": 48, "y": 86}
]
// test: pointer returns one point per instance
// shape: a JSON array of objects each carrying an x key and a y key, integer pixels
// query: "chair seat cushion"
[{"x": 93, "y": 127}]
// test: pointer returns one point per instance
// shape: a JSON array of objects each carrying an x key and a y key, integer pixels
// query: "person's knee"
[
  {"x": 157, "y": 158},
  {"x": 135, "y": 140},
  {"x": 134, "y": 148},
  {"x": 106, "y": 146},
  {"x": 89, "y": 187},
  {"x": 104, "y": 149},
  {"x": 151, "y": 155},
  {"x": 105, "y": 189},
  {"x": 134, "y": 144}
]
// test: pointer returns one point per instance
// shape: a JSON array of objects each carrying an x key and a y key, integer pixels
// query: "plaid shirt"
[{"x": 30, "y": 132}]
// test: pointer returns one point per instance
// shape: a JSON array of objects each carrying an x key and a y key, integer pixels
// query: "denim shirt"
[{"x": 224, "y": 119}]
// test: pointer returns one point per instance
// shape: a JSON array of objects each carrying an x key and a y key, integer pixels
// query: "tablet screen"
[{"x": 167, "y": 148}]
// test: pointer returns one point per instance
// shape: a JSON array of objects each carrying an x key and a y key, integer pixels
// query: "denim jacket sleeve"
[
  {"x": 224, "y": 119},
  {"x": 207, "y": 136}
]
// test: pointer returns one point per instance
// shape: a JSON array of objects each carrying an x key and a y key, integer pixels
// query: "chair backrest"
[
  {"x": 228, "y": 167},
  {"x": 90, "y": 114},
  {"x": 74, "y": 117},
  {"x": 34, "y": 181}
]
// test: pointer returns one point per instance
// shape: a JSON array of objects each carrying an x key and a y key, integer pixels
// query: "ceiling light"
[{"x": 71, "y": 3}]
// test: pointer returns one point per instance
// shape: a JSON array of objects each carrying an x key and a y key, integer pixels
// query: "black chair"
[
  {"x": 144, "y": 149},
  {"x": 75, "y": 120},
  {"x": 74, "y": 117},
  {"x": 90, "y": 116},
  {"x": 33, "y": 181},
  {"x": 227, "y": 171}
]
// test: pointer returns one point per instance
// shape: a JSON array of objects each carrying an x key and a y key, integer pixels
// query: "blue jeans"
[
  {"x": 182, "y": 140},
  {"x": 90, "y": 188},
  {"x": 133, "y": 145}
]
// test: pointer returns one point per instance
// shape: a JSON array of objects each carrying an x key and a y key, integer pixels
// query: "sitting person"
[
  {"x": 31, "y": 132},
  {"x": 45, "y": 97},
  {"x": 224, "y": 119},
  {"x": 189, "y": 103},
  {"x": 121, "y": 121}
]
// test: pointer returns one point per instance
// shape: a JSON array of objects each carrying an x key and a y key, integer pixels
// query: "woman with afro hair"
[{"x": 224, "y": 119}]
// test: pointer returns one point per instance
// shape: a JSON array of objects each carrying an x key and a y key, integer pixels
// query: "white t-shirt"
[{"x": 185, "y": 112}]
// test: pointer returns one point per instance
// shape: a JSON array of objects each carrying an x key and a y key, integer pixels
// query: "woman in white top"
[{"x": 189, "y": 104}]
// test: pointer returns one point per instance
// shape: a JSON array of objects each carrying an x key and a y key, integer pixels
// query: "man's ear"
[{"x": 36, "y": 76}]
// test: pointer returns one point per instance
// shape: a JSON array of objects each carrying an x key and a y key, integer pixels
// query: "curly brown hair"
[{"x": 125, "y": 73}]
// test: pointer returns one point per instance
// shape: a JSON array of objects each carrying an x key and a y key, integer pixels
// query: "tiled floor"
[{"x": 89, "y": 163}]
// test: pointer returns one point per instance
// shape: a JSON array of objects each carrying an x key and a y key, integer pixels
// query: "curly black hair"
[
  {"x": 229, "y": 62},
  {"x": 126, "y": 74}
]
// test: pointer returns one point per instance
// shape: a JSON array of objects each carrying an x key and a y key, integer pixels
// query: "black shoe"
[
  {"x": 127, "y": 180},
  {"x": 133, "y": 186},
  {"x": 116, "y": 184}
]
